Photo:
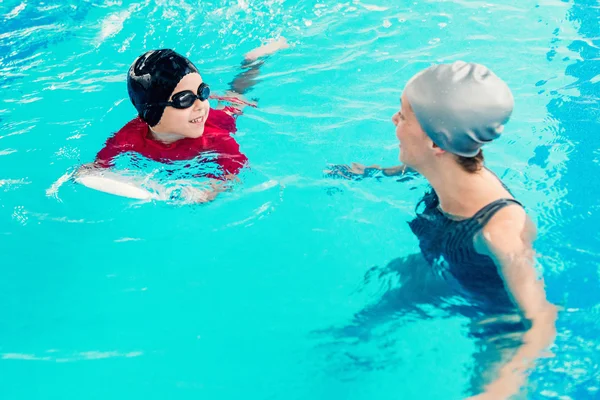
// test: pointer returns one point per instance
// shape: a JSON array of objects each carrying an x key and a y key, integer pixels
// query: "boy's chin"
[{"x": 195, "y": 132}]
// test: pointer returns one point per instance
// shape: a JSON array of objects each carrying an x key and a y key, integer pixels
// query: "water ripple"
[{"x": 326, "y": 100}]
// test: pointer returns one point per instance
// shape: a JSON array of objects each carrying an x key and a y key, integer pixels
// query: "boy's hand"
[
  {"x": 267, "y": 49},
  {"x": 208, "y": 192}
]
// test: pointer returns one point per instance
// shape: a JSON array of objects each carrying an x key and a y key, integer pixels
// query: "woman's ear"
[{"x": 437, "y": 150}]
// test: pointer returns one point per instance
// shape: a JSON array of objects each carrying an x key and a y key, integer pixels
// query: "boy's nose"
[{"x": 198, "y": 105}]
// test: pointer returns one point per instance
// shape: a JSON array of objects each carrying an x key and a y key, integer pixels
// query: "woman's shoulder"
[{"x": 508, "y": 228}]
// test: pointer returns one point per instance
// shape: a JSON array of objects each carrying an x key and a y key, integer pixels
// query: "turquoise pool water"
[{"x": 104, "y": 297}]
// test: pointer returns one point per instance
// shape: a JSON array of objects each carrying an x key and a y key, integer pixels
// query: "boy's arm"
[{"x": 245, "y": 80}]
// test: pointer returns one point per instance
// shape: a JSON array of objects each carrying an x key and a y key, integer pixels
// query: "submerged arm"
[
  {"x": 507, "y": 239},
  {"x": 243, "y": 82},
  {"x": 356, "y": 171}
]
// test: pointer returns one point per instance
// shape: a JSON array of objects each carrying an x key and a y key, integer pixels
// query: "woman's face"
[{"x": 415, "y": 145}]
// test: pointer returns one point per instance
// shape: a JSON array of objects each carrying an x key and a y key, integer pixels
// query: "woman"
[{"x": 471, "y": 230}]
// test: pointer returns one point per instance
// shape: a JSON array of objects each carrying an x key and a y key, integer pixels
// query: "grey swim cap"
[{"x": 461, "y": 106}]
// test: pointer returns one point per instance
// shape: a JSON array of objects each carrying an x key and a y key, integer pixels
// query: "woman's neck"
[{"x": 463, "y": 193}]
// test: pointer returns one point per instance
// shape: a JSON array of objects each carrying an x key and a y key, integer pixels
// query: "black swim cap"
[{"x": 152, "y": 78}]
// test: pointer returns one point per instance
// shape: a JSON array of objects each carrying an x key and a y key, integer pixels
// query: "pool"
[{"x": 105, "y": 297}]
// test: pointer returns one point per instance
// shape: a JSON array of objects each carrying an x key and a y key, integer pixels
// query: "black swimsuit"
[{"x": 448, "y": 246}]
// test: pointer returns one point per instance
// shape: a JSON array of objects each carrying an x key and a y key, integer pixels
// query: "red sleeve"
[
  {"x": 230, "y": 158},
  {"x": 120, "y": 142},
  {"x": 221, "y": 120},
  {"x": 111, "y": 150}
]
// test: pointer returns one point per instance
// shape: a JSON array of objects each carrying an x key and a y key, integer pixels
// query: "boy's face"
[{"x": 187, "y": 122}]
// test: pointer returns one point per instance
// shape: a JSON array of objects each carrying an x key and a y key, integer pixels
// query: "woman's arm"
[
  {"x": 356, "y": 171},
  {"x": 507, "y": 239}
]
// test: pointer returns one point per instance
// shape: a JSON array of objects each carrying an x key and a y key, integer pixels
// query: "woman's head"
[
  {"x": 451, "y": 108},
  {"x": 169, "y": 93},
  {"x": 416, "y": 147}
]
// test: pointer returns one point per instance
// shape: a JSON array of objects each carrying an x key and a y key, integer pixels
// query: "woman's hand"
[{"x": 356, "y": 171}]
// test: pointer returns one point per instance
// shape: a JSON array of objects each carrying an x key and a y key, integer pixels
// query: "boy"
[{"x": 175, "y": 122}]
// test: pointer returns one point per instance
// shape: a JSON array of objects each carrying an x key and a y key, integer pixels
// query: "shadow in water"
[{"x": 410, "y": 291}]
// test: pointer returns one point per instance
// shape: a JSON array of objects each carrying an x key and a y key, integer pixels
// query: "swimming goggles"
[{"x": 187, "y": 98}]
